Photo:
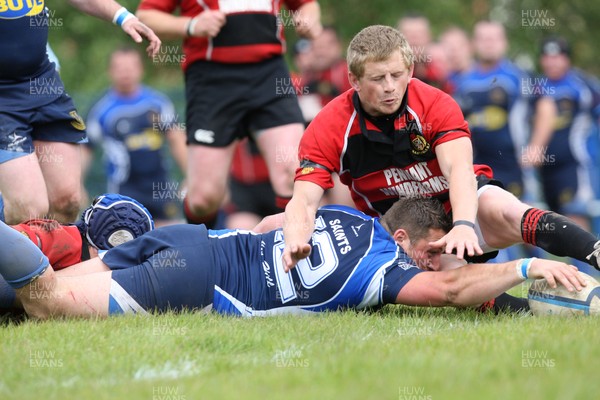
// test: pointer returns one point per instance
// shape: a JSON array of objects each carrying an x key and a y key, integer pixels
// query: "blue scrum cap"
[{"x": 114, "y": 219}]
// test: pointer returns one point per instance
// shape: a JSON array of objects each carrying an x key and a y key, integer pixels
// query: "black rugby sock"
[{"x": 557, "y": 235}]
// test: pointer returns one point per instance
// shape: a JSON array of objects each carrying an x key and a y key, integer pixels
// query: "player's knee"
[
  {"x": 204, "y": 203},
  {"x": 65, "y": 208},
  {"x": 37, "y": 297},
  {"x": 282, "y": 179},
  {"x": 24, "y": 209}
]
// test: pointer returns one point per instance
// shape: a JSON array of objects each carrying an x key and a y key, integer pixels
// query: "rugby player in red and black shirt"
[
  {"x": 393, "y": 136},
  {"x": 237, "y": 83}
]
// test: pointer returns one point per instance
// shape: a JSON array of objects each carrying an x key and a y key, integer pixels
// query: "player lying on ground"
[
  {"x": 357, "y": 262},
  {"x": 112, "y": 219}
]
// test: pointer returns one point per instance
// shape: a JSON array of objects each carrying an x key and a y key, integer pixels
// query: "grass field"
[{"x": 396, "y": 353}]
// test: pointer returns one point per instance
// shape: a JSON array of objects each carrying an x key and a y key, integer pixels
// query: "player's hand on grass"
[
  {"x": 556, "y": 272},
  {"x": 137, "y": 30},
  {"x": 462, "y": 238},
  {"x": 294, "y": 253}
]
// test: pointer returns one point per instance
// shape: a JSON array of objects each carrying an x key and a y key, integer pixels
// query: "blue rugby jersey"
[
  {"x": 131, "y": 131},
  {"x": 574, "y": 101},
  {"x": 354, "y": 263},
  {"x": 496, "y": 109},
  {"x": 27, "y": 78}
]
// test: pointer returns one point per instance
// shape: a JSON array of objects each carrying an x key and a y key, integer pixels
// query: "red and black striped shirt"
[
  {"x": 253, "y": 31},
  {"x": 378, "y": 167}
]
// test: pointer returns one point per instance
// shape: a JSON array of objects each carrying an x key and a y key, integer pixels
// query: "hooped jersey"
[
  {"x": 253, "y": 31},
  {"x": 354, "y": 263},
  {"x": 380, "y": 168}
]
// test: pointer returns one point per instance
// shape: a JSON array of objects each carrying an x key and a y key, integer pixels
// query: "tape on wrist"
[
  {"x": 190, "y": 26},
  {"x": 523, "y": 266},
  {"x": 121, "y": 16}
]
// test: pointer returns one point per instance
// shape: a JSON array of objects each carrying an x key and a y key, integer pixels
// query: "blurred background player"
[
  {"x": 491, "y": 99},
  {"x": 322, "y": 74},
  {"x": 459, "y": 54},
  {"x": 416, "y": 29},
  {"x": 563, "y": 161},
  {"x": 133, "y": 122},
  {"x": 39, "y": 126},
  {"x": 237, "y": 83}
]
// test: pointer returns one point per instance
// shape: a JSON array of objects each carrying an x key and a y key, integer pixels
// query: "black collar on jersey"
[
  {"x": 404, "y": 146},
  {"x": 388, "y": 132}
]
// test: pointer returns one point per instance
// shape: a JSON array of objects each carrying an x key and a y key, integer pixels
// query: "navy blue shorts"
[
  {"x": 57, "y": 121},
  {"x": 229, "y": 101},
  {"x": 171, "y": 268},
  {"x": 561, "y": 186}
]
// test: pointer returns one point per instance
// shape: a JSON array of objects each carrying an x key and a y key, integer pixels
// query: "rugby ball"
[{"x": 544, "y": 300}]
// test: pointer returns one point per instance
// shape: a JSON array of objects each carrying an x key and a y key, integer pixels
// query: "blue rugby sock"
[{"x": 21, "y": 261}]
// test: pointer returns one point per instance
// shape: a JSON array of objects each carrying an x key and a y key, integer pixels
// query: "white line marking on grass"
[{"x": 169, "y": 370}]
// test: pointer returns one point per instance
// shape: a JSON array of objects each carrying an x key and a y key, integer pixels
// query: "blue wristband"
[
  {"x": 523, "y": 266},
  {"x": 121, "y": 16}
]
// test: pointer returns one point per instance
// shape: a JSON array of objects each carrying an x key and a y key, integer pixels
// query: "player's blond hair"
[{"x": 376, "y": 43}]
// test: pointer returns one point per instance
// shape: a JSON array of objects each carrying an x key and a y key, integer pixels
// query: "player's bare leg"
[
  {"x": 87, "y": 267},
  {"x": 23, "y": 189},
  {"x": 279, "y": 148},
  {"x": 499, "y": 215},
  {"x": 51, "y": 296},
  {"x": 207, "y": 173},
  {"x": 61, "y": 165},
  {"x": 505, "y": 220}
]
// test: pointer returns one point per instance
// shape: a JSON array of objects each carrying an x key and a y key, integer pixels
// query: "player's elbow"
[{"x": 450, "y": 289}]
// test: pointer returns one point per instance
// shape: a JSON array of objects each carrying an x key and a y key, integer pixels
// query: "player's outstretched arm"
[
  {"x": 299, "y": 222},
  {"x": 110, "y": 10},
  {"x": 456, "y": 162},
  {"x": 474, "y": 284}
]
